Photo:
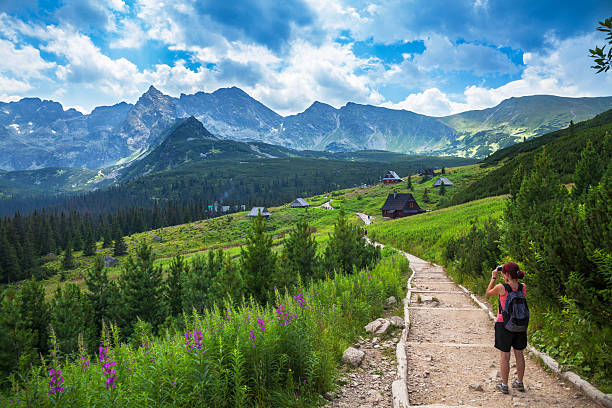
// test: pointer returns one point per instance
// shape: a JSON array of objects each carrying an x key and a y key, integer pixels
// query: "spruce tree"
[
  {"x": 299, "y": 256},
  {"x": 34, "y": 313},
  {"x": 174, "y": 285},
  {"x": 119, "y": 245},
  {"x": 16, "y": 339},
  {"x": 426, "y": 196},
  {"x": 228, "y": 281},
  {"x": 442, "y": 189},
  {"x": 142, "y": 290},
  {"x": 9, "y": 263},
  {"x": 90, "y": 243},
  {"x": 107, "y": 237},
  {"x": 409, "y": 183},
  {"x": 99, "y": 295},
  {"x": 71, "y": 314},
  {"x": 197, "y": 285},
  {"x": 68, "y": 260},
  {"x": 258, "y": 261},
  {"x": 589, "y": 170},
  {"x": 443, "y": 170}
]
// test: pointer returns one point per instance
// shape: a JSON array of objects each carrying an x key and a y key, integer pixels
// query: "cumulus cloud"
[
  {"x": 441, "y": 53},
  {"x": 563, "y": 69},
  {"x": 22, "y": 62}
]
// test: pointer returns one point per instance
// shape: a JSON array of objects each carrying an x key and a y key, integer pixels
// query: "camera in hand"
[{"x": 499, "y": 268}]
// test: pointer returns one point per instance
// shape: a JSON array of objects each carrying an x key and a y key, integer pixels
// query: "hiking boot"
[
  {"x": 502, "y": 388},
  {"x": 518, "y": 385}
]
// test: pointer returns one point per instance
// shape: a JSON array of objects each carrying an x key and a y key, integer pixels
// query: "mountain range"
[{"x": 37, "y": 133}]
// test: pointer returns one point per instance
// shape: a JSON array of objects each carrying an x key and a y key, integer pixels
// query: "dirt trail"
[{"x": 451, "y": 355}]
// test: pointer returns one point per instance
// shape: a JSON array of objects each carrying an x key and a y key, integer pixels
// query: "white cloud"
[
  {"x": 10, "y": 85},
  {"x": 563, "y": 70},
  {"x": 132, "y": 35},
  {"x": 441, "y": 53},
  {"x": 24, "y": 62}
]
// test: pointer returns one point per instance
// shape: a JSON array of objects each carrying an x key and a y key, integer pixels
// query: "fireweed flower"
[
  {"x": 84, "y": 363},
  {"x": 300, "y": 299},
  {"x": 55, "y": 384},
  {"x": 107, "y": 365},
  {"x": 193, "y": 340},
  {"x": 283, "y": 317},
  {"x": 252, "y": 335},
  {"x": 262, "y": 325}
]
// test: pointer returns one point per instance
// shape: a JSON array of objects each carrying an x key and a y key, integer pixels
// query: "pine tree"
[
  {"x": 34, "y": 313},
  {"x": 107, "y": 237},
  {"x": 90, "y": 243},
  {"x": 197, "y": 285},
  {"x": 16, "y": 340},
  {"x": 119, "y": 245},
  {"x": 443, "y": 170},
  {"x": 71, "y": 314},
  {"x": 409, "y": 183},
  {"x": 589, "y": 170},
  {"x": 142, "y": 290},
  {"x": 68, "y": 260},
  {"x": 9, "y": 263},
  {"x": 299, "y": 256},
  {"x": 258, "y": 261},
  {"x": 426, "y": 196},
  {"x": 99, "y": 289},
  {"x": 442, "y": 189},
  {"x": 174, "y": 285},
  {"x": 228, "y": 281}
]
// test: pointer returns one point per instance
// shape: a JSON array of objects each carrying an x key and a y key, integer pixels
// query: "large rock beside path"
[
  {"x": 397, "y": 321},
  {"x": 390, "y": 302},
  {"x": 353, "y": 356},
  {"x": 378, "y": 326}
]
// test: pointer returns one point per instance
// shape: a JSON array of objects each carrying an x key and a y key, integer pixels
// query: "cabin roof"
[
  {"x": 393, "y": 174},
  {"x": 256, "y": 210},
  {"x": 298, "y": 203},
  {"x": 442, "y": 180},
  {"x": 399, "y": 202}
]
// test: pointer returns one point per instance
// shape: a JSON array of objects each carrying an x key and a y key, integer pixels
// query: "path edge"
[
  {"x": 399, "y": 388},
  {"x": 589, "y": 389}
]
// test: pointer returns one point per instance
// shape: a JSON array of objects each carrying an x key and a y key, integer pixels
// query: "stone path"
[
  {"x": 451, "y": 358},
  {"x": 327, "y": 205}
]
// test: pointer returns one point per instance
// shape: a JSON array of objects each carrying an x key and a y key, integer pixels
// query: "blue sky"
[{"x": 431, "y": 57}]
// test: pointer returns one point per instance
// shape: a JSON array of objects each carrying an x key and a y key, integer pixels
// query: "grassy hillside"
[
  {"x": 426, "y": 235},
  {"x": 228, "y": 232}
]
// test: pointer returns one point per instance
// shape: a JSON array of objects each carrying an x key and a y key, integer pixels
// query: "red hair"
[{"x": 513, "y": 270}]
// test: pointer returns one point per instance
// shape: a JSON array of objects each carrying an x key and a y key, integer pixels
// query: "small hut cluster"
[
  {"x": 299, "y": 203},
  {"x": 442, "y": 181},
  {"x": 255, "y": 211}
]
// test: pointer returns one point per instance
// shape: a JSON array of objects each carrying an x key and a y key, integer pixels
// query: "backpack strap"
[{"x": 508, "y": 289}]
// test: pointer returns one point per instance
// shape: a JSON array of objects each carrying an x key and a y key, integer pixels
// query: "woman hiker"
[{"x": 505, "y": 339}]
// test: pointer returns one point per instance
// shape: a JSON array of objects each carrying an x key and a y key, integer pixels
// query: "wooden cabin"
[
  {"x": 399, "y": 205},
  {"x": 391, "y": 177}
]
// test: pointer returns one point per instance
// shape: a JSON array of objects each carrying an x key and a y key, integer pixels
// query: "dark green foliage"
[
  {"x": 119, "y": 245},
  {"x": 34, "y": 313},
  {"x": 71, "y": 314},
  {"x": 68, "y": 260},
  {"x": 426, "y": 196},
  {"x": 9, "y": 265},
  {"x": 347, "y": 248},
  {"x": 174, "y": 285},
  {"x": 199, "y": 278},
  {"x": 107, "y": 237},
  {"x": 258, "y": 261},
  {"x": 589, "y": 169},
  {"x": 100, "y": 290},
  {"x": 442, "y": 189},
  {"x": 299, "y": 256},
  {"x": 228, "y": 282},
  {"x": 409, "y": 183},
  {"x": 476, "y": 253},
  {"x": 89, "y": 248},
  {"x": 141, "y": 288},
  {"x": 601, "y": 58},
  {"x": 16, "y": 339}
]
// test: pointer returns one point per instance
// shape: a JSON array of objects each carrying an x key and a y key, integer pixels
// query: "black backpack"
[{"x": 516, "y": 311}]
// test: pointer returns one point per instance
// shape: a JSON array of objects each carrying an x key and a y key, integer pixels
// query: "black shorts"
[{"x": 505, "y": 339}]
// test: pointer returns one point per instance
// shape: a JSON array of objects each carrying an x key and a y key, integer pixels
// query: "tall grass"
[{"x": 235, "y": 355}]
